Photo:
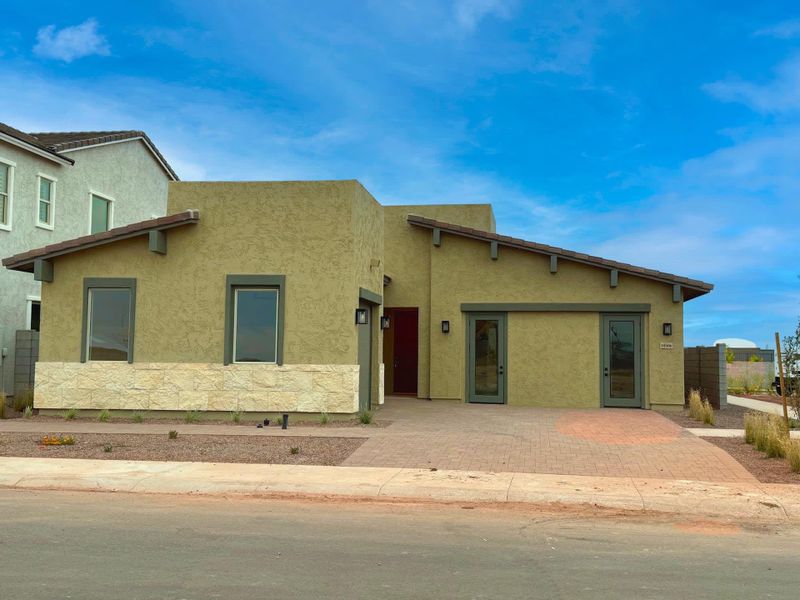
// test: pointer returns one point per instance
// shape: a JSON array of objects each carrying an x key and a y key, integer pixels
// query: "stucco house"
[
  {"x": 60, "y": 185},
  {"x": 312, "y": 297}
]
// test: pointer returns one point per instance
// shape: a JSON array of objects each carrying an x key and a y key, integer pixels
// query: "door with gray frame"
[
  {"x": 622, "y": 382},
  {"x": 486, "y": 358}
]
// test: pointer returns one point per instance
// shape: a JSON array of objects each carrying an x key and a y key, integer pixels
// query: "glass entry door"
[
  {"x": 486, "y": 358},
  {"x": 622, "y": 361}
]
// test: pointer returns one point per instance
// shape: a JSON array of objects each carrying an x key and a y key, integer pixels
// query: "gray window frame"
[
  {"x": 234, "y": 282},
  {"x": 90, "y": 283}
]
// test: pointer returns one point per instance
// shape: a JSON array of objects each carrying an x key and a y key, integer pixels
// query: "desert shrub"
[
  {"x": 23, "y": 399},
  {"x": 792, "y": 451},
  {"x": 768, "y": 433},
  {"x": 729, "y": 356},
  {"x": 191, "y": 416},
  {"x": 27, "y": 413},
  {"x": 700, "y": 409},
  {"x": 365, "y": 417},
  {"x": 753, "y": 421},
  {"x": 104, "y": 416},
  {"x": 236, "y": 416},
  {"x": 173, "y": 435},
  {"x": 71, "y": 414},
  {"x": 755, "y": 358},
  {"x": 294, "y": 450},
  {"x": 108, "y": 448},
  {"x": 137, "y": 417},
  {"x": 57, "y": 440},
  {"x": 323, "y": 419},
  {"x": 2, "y": 405}
]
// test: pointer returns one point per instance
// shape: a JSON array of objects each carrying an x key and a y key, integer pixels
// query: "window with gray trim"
[
  {"x": 108, "y": 319},
  {"x": 254, "y": 308},
  {"x": 255, "y": 325}
]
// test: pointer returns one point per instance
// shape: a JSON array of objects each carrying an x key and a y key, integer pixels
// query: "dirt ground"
[
  {"x": 327, "y": 451},
  {"x": 766, "y": 470},
  {"x": 245, "y": 421},
  {"x": 729, "y": 417}
]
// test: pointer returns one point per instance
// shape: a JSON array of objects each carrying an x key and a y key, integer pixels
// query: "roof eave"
[
  {"x": 691, "y": 290},
  {"x": 145, "y": 140},
  {"x": 48, "y": 154}
]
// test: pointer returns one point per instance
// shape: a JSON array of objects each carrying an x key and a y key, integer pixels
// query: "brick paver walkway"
[{"x": 604, "y": 442}]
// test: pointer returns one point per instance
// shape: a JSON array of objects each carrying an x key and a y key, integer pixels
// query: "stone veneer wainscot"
[{"x": 197, "y": 386}]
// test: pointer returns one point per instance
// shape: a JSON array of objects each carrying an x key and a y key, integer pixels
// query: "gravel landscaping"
[
  {"x": 729, "y": 417},
  {"x": 766, "y": 470},
  {"x": 327, "y": 451}
]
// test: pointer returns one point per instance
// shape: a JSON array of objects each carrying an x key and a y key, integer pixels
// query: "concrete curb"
[{"x": 774, "y": 503}]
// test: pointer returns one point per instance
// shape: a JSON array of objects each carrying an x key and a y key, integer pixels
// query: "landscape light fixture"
[
  {"x": 667, "y": 329},
  {"x": 362, "y": 316},
  {"x": 445, "y": 326}
]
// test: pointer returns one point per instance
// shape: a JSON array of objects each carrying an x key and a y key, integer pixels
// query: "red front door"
[{"x": 405, "y": 323}]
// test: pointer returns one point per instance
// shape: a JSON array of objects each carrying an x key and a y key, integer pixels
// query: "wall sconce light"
[
  {"x": 667, "y": 328},
  {"x": 385, "y": 322},
  {"x": 362, "y": 316},
  {"x": 445, "y": 326}
]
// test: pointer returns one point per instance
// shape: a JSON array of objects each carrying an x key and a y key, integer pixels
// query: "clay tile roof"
[
  {"x": 694, "y": 287},
  {"x": 25, "y": 260},
  {"x": 61, "y": 141},
  {"x": 31, "y": 140}
]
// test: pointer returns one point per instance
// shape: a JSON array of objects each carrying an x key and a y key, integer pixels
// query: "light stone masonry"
[{"x": 197, "y": 386}]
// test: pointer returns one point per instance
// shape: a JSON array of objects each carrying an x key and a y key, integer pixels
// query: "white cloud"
[
  {"x": 784, "y": 30},
  {"x": 469, "y": 13},
  {"x": 70, "y": 43},
  {"x": 782, "y": 94}
]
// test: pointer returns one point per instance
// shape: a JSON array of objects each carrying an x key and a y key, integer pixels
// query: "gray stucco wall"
[{"x": 126, "y": 172}]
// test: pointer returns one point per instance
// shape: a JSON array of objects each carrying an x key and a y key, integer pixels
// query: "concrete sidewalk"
[
  {"x": 748, "y": 501},
  {"x": 728, "y": 433},
  {"x": 759, "y": 405}
]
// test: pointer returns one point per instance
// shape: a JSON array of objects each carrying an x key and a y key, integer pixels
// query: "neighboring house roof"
[
  {"x": 29, "y": 142},
  {"x": 25, "y": 260},
  {"x": 53, "y": 145},
  {"x": 693, "y": 287},
  {"x": 68, "y": 141}
]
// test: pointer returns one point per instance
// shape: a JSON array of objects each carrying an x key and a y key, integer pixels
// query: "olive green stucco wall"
[
  {"x": 303, "y": 230},
  {"x": 407, "y": 255},
  {"x": 553, "y": 357}
]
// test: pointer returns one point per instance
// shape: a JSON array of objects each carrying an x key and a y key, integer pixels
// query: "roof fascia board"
[
  {"x": 552, "y": 252},
  {"x": 125, "y": 236},
  {"x": 35, "y": 150}
]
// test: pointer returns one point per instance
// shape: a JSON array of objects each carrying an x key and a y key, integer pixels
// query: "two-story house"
[{"x": 58, "y": 186}]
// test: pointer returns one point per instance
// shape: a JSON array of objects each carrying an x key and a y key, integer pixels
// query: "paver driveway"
[{"x": 605, "y": 442}]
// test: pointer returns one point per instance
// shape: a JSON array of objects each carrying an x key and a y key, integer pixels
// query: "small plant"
[
  {"x": 137, "y": 417},
  {"x": 27, "y": 413},
  {"x": 792, "y": 451},
  {"x": 108, "y": 448},
  {"x": 71, "y": 414},
  {"x": 23, "y": 399},
  {"x": 294, "y": 450},
  {"x": 2, "y": 405},
  {"x": 173, "y": 435},
  {"x": 755, "y": 358},
  {"x": 57, "y": 440},
  {"x": 104, "y": 416},
  {"x": 729, "y": 356},
  {"x": 191, "y": 416},
  {"x": 776, "y": 438},
  {"x": 752, "y": 423},
  {"x": 365, "y": 417},
  {"x": 323, "y": 419},
  {"x": 236, "y": 416},
  {"x": 700, "y": 409}
]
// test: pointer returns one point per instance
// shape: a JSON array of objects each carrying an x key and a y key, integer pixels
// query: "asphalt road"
[{"x": 116, "y": 546}]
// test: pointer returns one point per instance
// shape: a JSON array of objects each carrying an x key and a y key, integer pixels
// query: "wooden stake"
[{"x": 780, "y": 373}]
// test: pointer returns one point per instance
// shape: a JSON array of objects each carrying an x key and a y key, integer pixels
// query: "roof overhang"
[
  {"x": 689, "y": 288},
  {"x": 53, "y": 156},
  {"x": 27, "y": 260}
]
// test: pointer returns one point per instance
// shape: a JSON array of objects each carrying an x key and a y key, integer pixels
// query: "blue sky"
[{"x": 662, "y": 134}]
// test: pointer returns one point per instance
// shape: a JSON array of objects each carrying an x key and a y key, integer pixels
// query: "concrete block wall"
[
  {"x": 705, "y": 369},
  {"x": 197, "y": 386}
]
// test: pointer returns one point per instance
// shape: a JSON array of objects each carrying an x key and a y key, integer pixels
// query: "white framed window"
[
  {"x": 6, "y": 193},
  {"x": 46, "y": 201},
  {"x": 255, "y": 325},
  {"x": 101, "y": 212},
  {"x": 33, "y": 313}
]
